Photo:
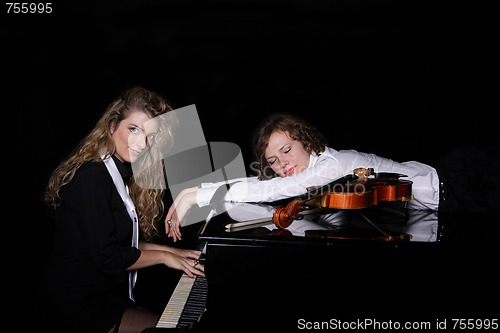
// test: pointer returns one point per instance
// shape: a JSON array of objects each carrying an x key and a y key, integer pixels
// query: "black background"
[{"x": 407, "y": 80}]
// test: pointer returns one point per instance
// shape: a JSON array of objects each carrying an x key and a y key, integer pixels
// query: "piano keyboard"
[{"x": 187, "y": 303}]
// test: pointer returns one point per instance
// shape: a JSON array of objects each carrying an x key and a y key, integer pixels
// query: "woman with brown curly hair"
[
  {"x": 279, "y": 128},
  {"x": 292, "y": 156},
  {"x": 100, "y": 211}
]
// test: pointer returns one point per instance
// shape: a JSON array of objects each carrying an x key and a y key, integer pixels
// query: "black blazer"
[{"x": 92, "y": 244}]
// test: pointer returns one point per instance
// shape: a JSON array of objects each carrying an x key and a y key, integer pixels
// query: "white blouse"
[{"x": 323, "y": 169}]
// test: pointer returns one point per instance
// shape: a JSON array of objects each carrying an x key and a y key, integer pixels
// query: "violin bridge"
[{"x": 405, "y": 199}]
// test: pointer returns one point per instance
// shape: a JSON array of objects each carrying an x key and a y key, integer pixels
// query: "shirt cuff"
[{"x": 204, "y": 195}]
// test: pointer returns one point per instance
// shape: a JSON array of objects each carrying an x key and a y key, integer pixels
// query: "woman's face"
[
  {"x": 133, "y": 135},
  {"x": 286, "y": 156}
]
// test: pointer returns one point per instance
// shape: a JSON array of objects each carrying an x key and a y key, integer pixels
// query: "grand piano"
[{"x": 332, "y": 269}]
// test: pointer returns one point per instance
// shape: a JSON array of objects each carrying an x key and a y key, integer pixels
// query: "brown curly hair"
[
  {"x": 98, "y": 143},
  {"x": 312, "y": 140}
]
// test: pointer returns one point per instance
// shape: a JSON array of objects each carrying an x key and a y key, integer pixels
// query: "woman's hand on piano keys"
[
  {"x": 186, "y": 253},
  {"x": 190, "y": 266},
  {"x": 182, "y": 204},
  {"x": 182, "y": 259}
]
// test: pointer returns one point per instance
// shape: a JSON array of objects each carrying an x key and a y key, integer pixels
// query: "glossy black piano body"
[{"x": 260, "y": 281}]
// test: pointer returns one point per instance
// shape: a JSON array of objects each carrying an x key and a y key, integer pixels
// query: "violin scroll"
[
  {"x": 284, "y": 216},
  {"x": 363, "y": 173}
]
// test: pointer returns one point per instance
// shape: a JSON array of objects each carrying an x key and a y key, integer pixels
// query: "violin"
[{"x": 360, "y": 190}]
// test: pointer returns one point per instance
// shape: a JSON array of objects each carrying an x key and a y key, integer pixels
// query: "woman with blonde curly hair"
[{"x": 100, "y": 210}]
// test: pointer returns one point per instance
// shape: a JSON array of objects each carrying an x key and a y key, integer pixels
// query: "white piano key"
[{"x": 173, "y": 310}]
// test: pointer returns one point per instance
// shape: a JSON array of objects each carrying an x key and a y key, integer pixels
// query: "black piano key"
[{"x": 195, "y": 303}]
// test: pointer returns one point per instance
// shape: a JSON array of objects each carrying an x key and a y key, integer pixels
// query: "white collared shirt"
[{"x": 323, "y": 169}]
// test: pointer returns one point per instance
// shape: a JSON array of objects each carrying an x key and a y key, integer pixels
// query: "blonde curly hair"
[{"x": 98, "y": 144}]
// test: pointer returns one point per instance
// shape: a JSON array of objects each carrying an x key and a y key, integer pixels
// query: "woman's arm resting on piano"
[
  {"x": 182, "y": 204},
  {"x": 155, "y": 257}
]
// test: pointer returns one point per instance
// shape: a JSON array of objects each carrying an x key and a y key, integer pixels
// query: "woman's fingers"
[
  {"x": 186, "y": 253},
  {"x": 178, "y": 210},
  {"x": 193, "y": 254},
  {"x": 167, "y": 226},
  {"x": 168, "y": 220},
  {"x": 193, "y": 267},
  {"x": 175, "y": 232},
  {"x": 190, "y": 266},
  {"x": 172, "y": 225}
]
